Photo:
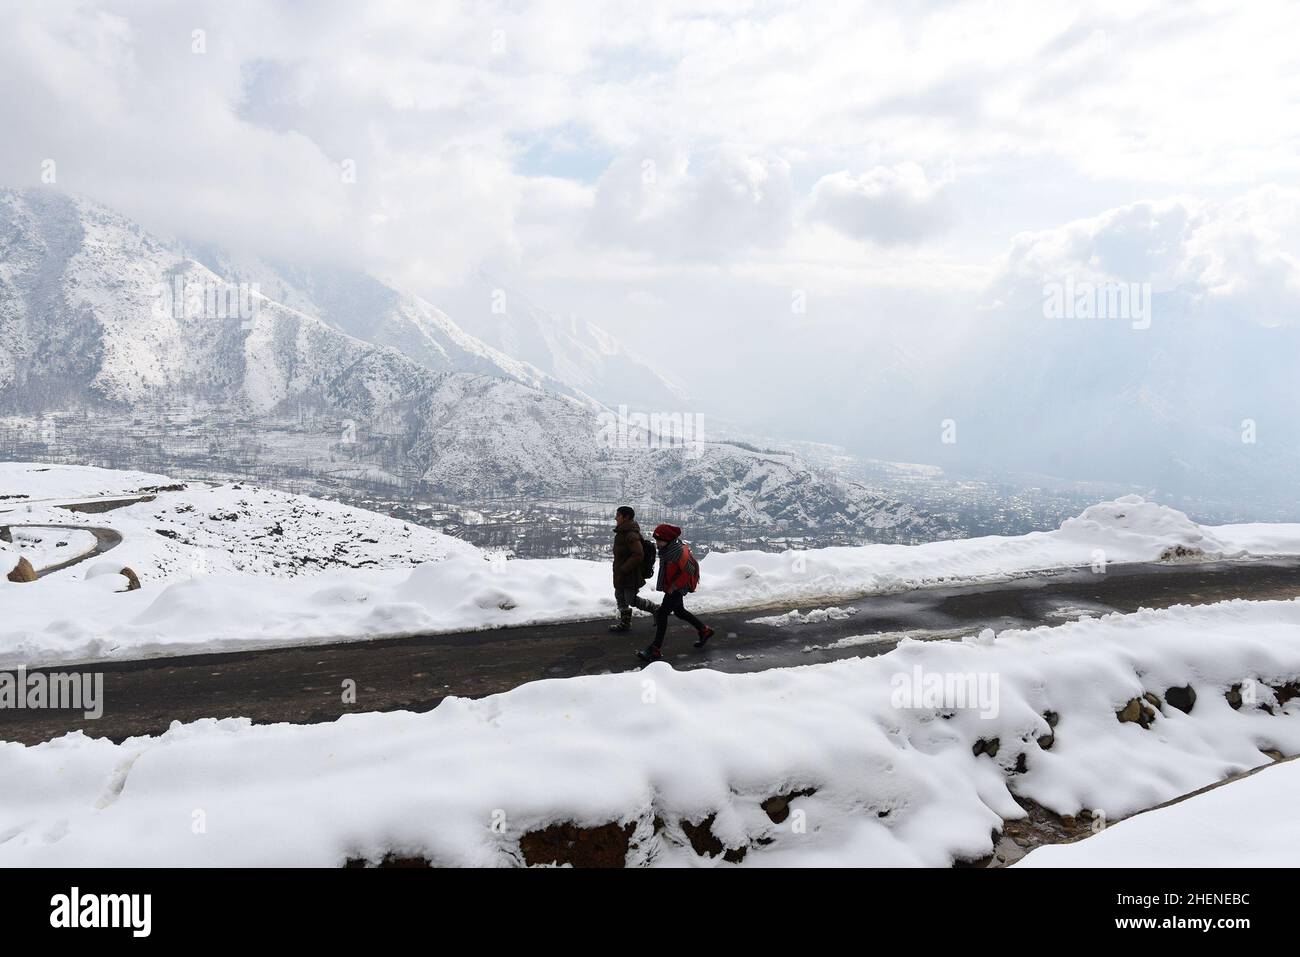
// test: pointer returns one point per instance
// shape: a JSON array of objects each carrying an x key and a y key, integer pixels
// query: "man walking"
[
  {"x": 679, "y": 573},
  {"x": 629, "y": 570}
]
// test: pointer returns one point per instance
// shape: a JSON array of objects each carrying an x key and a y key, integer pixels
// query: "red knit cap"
[{"x": 667, "y": 533}]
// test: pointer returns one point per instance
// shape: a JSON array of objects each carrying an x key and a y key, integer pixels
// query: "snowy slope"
[
  {"x": 81, "y": 294},
  {"x": 1247, "y": 823},
  {"x": 200, "y": 529},
  {"x": 22, "y": 482},
  {"x": 880, "y": 774},
  {"x": 367, "y": 309}
]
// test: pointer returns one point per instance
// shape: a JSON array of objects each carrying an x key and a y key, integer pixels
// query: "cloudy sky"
[{"x": 799, "y": 195}]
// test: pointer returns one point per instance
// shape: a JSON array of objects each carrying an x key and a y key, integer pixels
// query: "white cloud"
[
  {"x": 885, "y": 204},
  {"x": 795, "y": 149},
  {"x": 1235, "y": 259},
  {"x": 748, "y": 110},
  {"x": 678, "y": 206}
]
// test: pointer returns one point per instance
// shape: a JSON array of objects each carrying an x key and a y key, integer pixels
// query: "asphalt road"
[{"x": 304, "y": 684}]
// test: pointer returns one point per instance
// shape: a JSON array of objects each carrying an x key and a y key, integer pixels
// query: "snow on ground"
[
  {"x": 796, "y": 617},
  {"x": 50, "y": 546},
  {"x": 1259, "y": 538},
  {"x": 892, "y": 766},
  {"x": 240, "y": 528},
  {"x": 194, "y": 600},
  {"x": 855, "y": 641},
  {"x": 1132, "y": 521},
  {"x": 30, "y": 481},
  {"x": 1251, "y": 822}
]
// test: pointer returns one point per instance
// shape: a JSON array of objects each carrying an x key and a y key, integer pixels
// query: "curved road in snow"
[
  {"x": 105, "y": 540},
  {"x": 304, "y": 684}
]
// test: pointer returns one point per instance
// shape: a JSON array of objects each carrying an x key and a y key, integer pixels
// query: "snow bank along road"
[
  {"x": 260, "y": 609},
  {"x": 303, "y": 684},
  {"x": 865, "y": 761}
]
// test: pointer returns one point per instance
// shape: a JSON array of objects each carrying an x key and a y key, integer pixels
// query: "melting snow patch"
[
  {"x": 795, "y": 617},
  {"x": 852, "y": 642}
]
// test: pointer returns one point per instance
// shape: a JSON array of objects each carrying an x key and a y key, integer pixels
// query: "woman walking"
[{"x": 679, "y": 573}]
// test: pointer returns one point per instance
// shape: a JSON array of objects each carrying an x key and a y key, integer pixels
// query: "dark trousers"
[
  {"x": 673, "y": 605},
  {"x": 627, "y": 599}
]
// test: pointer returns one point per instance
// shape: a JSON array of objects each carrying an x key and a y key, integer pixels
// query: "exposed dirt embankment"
[{"x": 106, "y": 505}]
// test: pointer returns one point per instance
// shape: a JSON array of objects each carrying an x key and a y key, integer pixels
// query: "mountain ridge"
[{"x": 81, "y": 323}]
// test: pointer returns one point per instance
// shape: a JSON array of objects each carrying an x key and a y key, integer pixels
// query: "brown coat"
[{"x": 628, "y": 552}]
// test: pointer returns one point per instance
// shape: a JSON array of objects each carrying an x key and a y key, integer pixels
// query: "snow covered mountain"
[
  {"x": 496, "y": 330},
  {"x": 365, "y": 308},
  {"x": 81, "y": 322},
  {"x": 95, "y": 312},
  {"x": 754, "y": 487}
]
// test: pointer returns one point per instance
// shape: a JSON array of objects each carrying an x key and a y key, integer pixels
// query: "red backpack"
[{"x": 691, "y": 569}]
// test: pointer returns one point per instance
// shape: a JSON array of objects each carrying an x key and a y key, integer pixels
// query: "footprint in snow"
[{"x": 116, "y": 782}]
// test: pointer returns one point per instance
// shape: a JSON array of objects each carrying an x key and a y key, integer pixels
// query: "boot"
[
  {"x": 650, "y": 654},
  {"x": 624, "y": 622},
  {"x": 705, "y": 634}
]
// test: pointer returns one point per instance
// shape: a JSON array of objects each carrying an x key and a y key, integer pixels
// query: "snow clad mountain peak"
[{"x": 97, "y": 314}]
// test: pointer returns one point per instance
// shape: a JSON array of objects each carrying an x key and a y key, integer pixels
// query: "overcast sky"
[{"x": 681, "y": 172}]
